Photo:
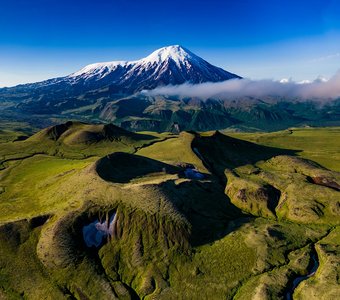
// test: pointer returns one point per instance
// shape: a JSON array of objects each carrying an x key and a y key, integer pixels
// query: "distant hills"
[{"x": 111, "y": 92}]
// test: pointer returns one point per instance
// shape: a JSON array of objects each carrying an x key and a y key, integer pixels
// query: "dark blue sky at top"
[
  {"x": 58, "y": 23},
  {"x": 228, "y": 33}
]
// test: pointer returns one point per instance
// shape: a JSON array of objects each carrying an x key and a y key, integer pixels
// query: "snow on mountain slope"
[
  {"x": 99, "y": 68},
  {"x": 168, "y": 65},
  {"x": 175, "y": 53}
]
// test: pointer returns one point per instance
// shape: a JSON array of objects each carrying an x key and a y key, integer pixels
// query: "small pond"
[{"x": 95, "y": 232}]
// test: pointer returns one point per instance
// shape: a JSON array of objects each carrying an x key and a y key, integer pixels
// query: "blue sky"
[{"x": 275, "y": 39}]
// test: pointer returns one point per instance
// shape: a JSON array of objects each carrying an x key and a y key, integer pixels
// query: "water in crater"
[{"x": 96, "y": 231}]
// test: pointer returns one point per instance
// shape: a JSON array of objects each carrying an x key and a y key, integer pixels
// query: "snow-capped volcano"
[
  {"x": 100, "y": 82},
  {"x": 168, "y": 65}
]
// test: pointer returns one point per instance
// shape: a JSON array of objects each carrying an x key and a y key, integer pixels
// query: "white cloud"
[
  {"x": 318, "y": 89},
  {"x": 327, "y": 57}
]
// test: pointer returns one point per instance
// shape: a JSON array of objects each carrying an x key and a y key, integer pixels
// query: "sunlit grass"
[{"x": 318, "y": 144}]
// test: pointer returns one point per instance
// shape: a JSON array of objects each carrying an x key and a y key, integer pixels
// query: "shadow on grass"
[
  {"x": 219, "y": 152},
  {"x": 121, "y": 167},
  {"x": 207, "y": 208}
]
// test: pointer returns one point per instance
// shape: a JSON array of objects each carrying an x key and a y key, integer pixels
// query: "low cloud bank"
[{"x": 317, "y": 89}]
